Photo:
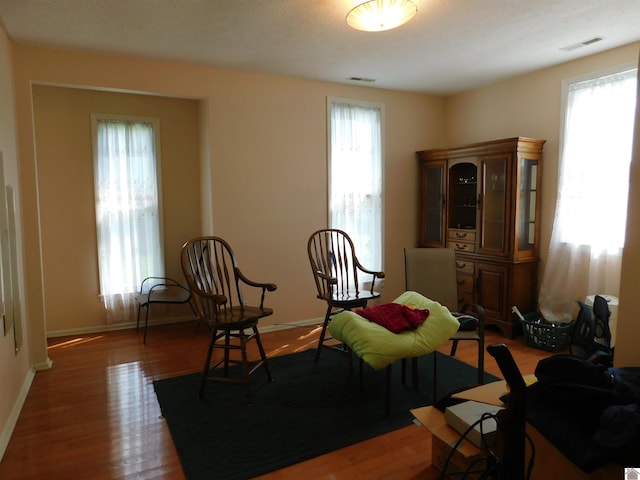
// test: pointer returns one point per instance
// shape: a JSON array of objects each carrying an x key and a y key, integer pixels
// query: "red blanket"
[{"x": 394, "y": 316}]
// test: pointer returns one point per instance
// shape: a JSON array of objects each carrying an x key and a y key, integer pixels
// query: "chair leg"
[
  {"x": 480, "y": 363},
  {"x": 323, "y": 333},
  {"x": 414, "y": 372},
  {"x": 193, "y": 309},
  {"x": 435, "y": 375},
  {"x": 146, "y": 322},
  {"x": 138, "y": 320},
  {"x": 207, "y": 362},
  {"x": 245, "y": 365},
  {"x": 263, "y": 355},
  {"x": 387, "y": 390},
  {"x": 454, "y": 347},
  {"x": 227, "y": 342}
]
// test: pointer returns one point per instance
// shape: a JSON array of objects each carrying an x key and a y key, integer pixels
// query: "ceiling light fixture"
[{"x": 380, "y": 15}]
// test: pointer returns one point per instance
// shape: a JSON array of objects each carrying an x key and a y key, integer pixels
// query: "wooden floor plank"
[{"x": 95, "y": 415}]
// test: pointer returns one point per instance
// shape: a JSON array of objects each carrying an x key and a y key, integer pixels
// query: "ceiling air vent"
[
  {"x": 361, "y": 79},
  {"x": 575, "y": 46}
]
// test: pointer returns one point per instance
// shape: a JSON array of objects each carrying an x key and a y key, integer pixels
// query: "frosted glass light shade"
[{"x": 379, "y": 15}]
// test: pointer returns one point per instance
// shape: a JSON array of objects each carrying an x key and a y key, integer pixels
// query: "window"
[
  {"x": 594, "y": 174},
  {"x": 585, "y": 252},
  {"x": 127, "y": 205},
  {"x": 355, "y": 176}
]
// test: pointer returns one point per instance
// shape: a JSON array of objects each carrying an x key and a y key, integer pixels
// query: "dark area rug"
[{"x": 310, "y": 409}]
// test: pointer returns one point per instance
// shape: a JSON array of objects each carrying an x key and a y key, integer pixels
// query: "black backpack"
[{"x": 591, "y": 337}]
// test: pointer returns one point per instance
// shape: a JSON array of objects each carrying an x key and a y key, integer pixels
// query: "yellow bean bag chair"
[{"x": 379, "y": 347}]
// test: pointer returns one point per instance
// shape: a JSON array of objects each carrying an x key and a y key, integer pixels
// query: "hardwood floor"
[{"x": 94, "y": 415}]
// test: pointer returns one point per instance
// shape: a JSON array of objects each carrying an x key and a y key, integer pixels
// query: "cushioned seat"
[{"x": 380, "y": 347}]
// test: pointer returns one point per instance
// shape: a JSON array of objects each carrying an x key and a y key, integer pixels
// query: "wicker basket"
[{"x": 545, "y": 336}]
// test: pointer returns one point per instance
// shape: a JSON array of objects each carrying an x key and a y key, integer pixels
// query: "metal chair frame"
[{"x": 160, "y": 290}]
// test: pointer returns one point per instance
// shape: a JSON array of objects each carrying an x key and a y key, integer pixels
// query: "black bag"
[{"x": 589, "y": 412}]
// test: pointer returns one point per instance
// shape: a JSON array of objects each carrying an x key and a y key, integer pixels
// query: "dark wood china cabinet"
[{"x": 483, "y": 200}]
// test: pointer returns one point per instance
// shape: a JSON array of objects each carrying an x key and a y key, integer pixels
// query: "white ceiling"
[{"x": 450, "y": 46}]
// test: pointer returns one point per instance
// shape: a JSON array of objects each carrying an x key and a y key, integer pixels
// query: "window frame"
[
  {"x": 331, "y": 100},
  {"x": 567, "y": 82},
  {"x": 564, "y": 112},
  {"x": 155, "y": 123}
]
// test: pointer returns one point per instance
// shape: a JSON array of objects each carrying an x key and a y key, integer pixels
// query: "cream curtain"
[
  {"x": 591, "y": 210},
  {"x": 127, "y": 213},
  {"x": 356, "y": 178}
]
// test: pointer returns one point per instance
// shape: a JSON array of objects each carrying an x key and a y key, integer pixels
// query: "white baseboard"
[
  {"x": 46, "y": 365},
  {"x": 15, "y": 412},
  {"x": 128, "y": 325},
  {"x": 283, "y": 326},
  {"x": 113, "y": 327}
]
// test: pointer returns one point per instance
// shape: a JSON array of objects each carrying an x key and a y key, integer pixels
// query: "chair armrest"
[
  {"x": 324, "y": 284},
  {"x": 266, "y": 287},
  {"x": 216, "y": 299},
  {"x": 160, "y": 290},
  {"x": 366, "y": 270},
  {"x": 375, "y": 275},
  {"x": 170, "y": 292},
  {"x": 167, "y": 286},
  {"x": 163, "y": 281},
  {"x": 327, "y": 278}
]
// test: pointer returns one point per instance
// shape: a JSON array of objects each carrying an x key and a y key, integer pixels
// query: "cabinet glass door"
[
  {"x": 433, "y": 184},
  {"x": 463, "y": 194},
  {"x": 493, "y": 206},
  {"x": 527, "y": 201}
]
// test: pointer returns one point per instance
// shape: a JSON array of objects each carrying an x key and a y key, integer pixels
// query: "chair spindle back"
[
  {"x": 333, "y": 262},
  {"x": 211, "y": 271}
]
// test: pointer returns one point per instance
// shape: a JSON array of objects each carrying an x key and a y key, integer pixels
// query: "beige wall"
[
  {"x": 65, "y": 185},
  {"x": 15, "y": 368},
  {"x": 264, "y": 166}
]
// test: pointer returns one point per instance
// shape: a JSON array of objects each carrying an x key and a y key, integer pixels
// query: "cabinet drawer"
[
  {"x": 464, "y": 299},
  {"x": 461, "y": 235},
  {"x": 459, "y": 246},
  {"x": 465, "y": 283},
  {"x": 465, "y": 288},
  {"x": 465, "y": 266}
]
